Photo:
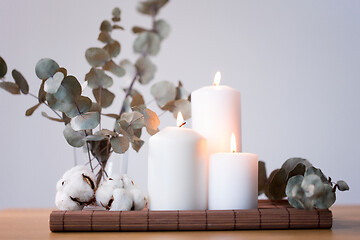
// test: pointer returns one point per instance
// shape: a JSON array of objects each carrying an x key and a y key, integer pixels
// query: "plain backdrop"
[{"x": 296, "y": 64}]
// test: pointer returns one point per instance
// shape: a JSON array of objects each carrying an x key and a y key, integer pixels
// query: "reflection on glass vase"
[{"x": 117, "y": 164}]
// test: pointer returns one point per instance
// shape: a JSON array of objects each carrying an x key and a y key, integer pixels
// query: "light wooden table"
[{"x": 33, "y": 224}]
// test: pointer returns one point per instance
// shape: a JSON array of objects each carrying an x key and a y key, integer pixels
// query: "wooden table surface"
[{"x": 34, "y": 224}]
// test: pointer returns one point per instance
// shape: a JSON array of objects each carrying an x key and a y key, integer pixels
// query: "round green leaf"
[
  {"x": 46, "y": 68},
  {"x": 97, "y": 57},
  {"x": 181, "y": 92},
  {"x": 113, "y": 48},
  {"x": 116, "y": 12},
  {"x": 20, "y": 81},
  {"x": 183, "y": 106},
  {"x": 106, "y": 26},
  {"x": 53, "y": 83},
  {"x": 130, "y": 71},
  {"x": 103, "y": 96},
  {"x": 3, "y": 67},
  {"x": 277, "y": 185},
  {"x": 291, "y": 163},
  {"x": 293, "y": 181},
  {"x": 135, "y": 119},
  {"x": 327, "y": 199},
  {"x": 74, "y": 138},
  {"x": 147, "y": 43},
  {"x": 313, "y": 186},
  {"x": 162, "y": 28},
  {"x": 151, "y": 7},
  {"x": 137, "y": 100},
  {"x": 89, "y": 120},
  {"x": 262, "y": 177},
  {"x": 137, "y": 143},
  {"x": 316, "y": 171},
  {"x": 163, "y": 92},
  {"x": 145, "y": 69},
  {"x": 69, "y": 90},
  {"x": 105, "y": 37},
  {"x": 114, "y": 68},
  {"x": 97, "y": 78},
  {"x": 120, "y": 144},
  {"x": 342, "y": 185},
  {"x": 82, "y": 105}
]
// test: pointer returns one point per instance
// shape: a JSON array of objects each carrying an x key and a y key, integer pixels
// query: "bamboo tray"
[{"x": 269, "y": 215}]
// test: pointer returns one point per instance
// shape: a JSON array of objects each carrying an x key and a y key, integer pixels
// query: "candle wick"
[{"x": 182, "y": 124}]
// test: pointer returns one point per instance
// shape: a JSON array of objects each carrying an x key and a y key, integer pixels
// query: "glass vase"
[{"x": 117, "y": 164}]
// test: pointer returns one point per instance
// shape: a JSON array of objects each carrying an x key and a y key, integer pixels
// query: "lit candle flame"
[
  {"x": 217, "y": 78},
  {"x": 180, "y": 120},
  {"x": 233, "y": 143}
]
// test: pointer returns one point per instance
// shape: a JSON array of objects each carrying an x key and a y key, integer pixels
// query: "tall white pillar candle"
[
  {"x": 177, "y": 170},
  {"x": 233, "y": 181},
  {"x": 215, "y": 113}
]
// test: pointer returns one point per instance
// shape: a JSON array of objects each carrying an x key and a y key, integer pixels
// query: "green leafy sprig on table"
[
  {"x": 304, "y": 185},
  {"x": 63, "y": 93}
]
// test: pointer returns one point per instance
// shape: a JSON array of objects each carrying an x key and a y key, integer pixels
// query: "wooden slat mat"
[{"x": 269, "y": 215}]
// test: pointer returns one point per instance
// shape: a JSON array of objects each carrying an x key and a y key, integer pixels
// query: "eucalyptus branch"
[
  {"x": 30, "y": 94},
  {"x": 128, "y": 92}
]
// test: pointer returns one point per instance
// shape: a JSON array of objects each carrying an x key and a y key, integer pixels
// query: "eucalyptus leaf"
[
  {"x": 163, "y": 92},
  {"x": 95, "y": 138},
  {"x": 74, "y": 138},
  {"x": 181, "y": 92},
  {"x": 53, "y": 83},
  {"x": 291, "y": 163},
  {"x": 147, "y": 43},
  {"x": 298, "y": 170},
  {"x": 316, "y": 171},
  {"x": 137, "y": 143},
  {"x": 3, "y": 68},
  {"x": 135, "y": 119},
  {"x": 152, "y": 121},
  {"x": 293, "y": 181},
  {"x": 151, "y": 7},
  {"x": 106, "y": 26},
  {"x": 262, "y": 177},
  {"x": 105, "y": 37},
  {"x": 113, "y": 48},
  {"x": 138, "y": 29},
  {"x": 82, "y": 105},
  {"x": 42, "y": 93},
  {"x": 137, "y": 100},
  {"x": 66, "y": 119},
  {"x": 183, "y": 106},
  {"x": 137, "y": 132},
  {"x": 162, "y": 28},
  {"x": 277, "y": 185},
  {"x": 115, "y": 26},
  {"x": 312, "y": 186},
  {"x": 97, "y": 57},
  {"x": 103, "y": 96},
  {"x": 63, "y": 71},
  {"x": 126, "y": 104},
  {"x": 116, "y": 12},
  {"x": 342, "y": 185},
  {"x": 327, "y": 199},
  {"x": 296, "y": 203},
  {"x": 69, "y": 90},
  {"x": 111, "y": 115},
  {"x": 130, "y": 71},
  {"x": 108, "y": 132},
  {"x": 120, "y": 144},
  {"x": 46, "y": 68},
  {"x": 11, "y": 87},
  {"x": 145, "y": 69},
  {"x": 20, "y": 81},
  {"x": 44, "y": 114},
  {"x": 114, "y": 68},
  {"x": 97, "y": 78},
  {"x": 95, "y": 107},
  {"x": 89, "y": 120},
  {"x": 31, "y": 110}
]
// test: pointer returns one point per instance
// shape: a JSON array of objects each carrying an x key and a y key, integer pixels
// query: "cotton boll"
[
  {"x": 128, "y": 183},
  {"x": 80, "y": 187},
  {"x": 64, "y": 202},
  {"x": 122, "y": 200},
  {"x": 104, "y": 193},
  {"x": 139, "y": 198}
]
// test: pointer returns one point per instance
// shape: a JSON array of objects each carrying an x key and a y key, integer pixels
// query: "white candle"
[
  {"x": 233, "y": 180},
  {"x": 215, "y": 113},
  {"x": 177, "y": 170}
]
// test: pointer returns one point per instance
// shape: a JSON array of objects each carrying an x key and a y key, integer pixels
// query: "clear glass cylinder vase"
[{"x": 117, "y": 164}]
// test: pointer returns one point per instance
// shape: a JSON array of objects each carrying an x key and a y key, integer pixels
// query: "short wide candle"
[
  {"x": 233, "y": 181},
  {"x": 177, "y": 170}
]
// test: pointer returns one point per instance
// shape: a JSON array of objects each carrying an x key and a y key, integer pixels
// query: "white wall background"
[{"x": 296, "y": 63}]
